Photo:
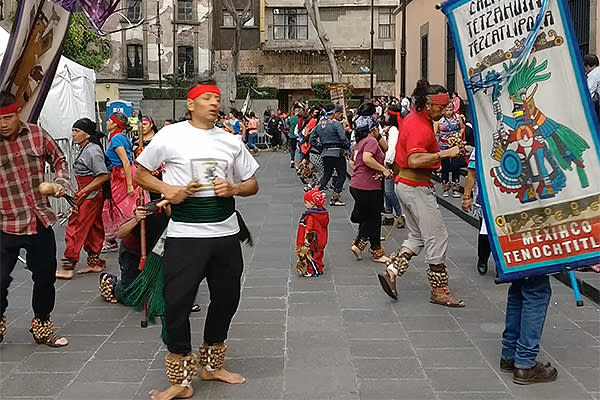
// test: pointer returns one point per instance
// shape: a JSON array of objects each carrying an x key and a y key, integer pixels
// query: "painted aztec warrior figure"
[
  {"x": 203, "y": 235},
  {"x": 417, "y": 156},
  {"x": 25, "y": 215}
]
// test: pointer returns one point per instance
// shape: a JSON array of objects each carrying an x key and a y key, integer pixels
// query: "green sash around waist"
[{"x": 203, "y": 209}]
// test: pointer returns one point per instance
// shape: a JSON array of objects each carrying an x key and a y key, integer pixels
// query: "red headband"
[
  {"x": 9, "y": 109},
  {"x": 146, "y": 120},
  {"x": 118, "y": 122},
  {"x": 440, "y": 99},
  {"x": 201, "y": 89},
  {"x": 396, "y": 113}
]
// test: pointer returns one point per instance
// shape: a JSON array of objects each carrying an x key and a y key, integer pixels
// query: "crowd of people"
[{"x": 182, "y": 182}]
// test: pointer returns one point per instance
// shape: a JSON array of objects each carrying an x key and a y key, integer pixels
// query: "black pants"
[
  {"x": 293, "y": 148},
  {"x": 187, "y": 262},
  {"x": 368, "y": 205},
  {"x": 483, "y": 246},
  {"x": 339, "y": 165},
  {"x": 41, "y": 261},
  {"x": 275, "y": 139},
  {"x": 450, "y": 166}
]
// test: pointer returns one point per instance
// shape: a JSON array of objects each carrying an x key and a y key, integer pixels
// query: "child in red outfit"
[{"x": 312, "y": 235}]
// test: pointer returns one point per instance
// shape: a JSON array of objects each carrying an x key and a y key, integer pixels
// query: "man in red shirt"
[
  {"x": 25, "y": 215},
  {"x": 417, "y": 156}
]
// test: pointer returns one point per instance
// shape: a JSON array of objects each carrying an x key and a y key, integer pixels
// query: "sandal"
[
  {"x": 358, "y": 245},
  {"x": 387, "y": 279},
  {"x": 378, "y": 255},
  {"x": 43, "y": 333},
  {"x": 442, "y": 296},
  {"x": 94, "y": 264}
]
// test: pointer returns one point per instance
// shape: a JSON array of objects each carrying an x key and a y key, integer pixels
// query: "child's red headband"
[
  {"x": 440, "y": 99},
  {"x": 201, "y": 89},
  {"x": 9, "y": 109},
  {"x": 117, "y": 121}
]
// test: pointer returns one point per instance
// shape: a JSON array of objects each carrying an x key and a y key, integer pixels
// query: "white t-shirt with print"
[{"x": 188, "y": 153}]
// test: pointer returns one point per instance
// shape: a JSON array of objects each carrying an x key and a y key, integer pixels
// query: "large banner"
[
  {"x": 33, "y": 53},
  {"x": 538, "y": 147}
]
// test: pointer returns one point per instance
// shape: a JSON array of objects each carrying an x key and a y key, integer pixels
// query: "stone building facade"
[
  {"x": 184, "y": 46},
  {"x": 281, "y": 47}
]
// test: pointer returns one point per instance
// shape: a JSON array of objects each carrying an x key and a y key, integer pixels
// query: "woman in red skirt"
[
  {"x": 123, "y": 191},
  {"x": 85, "y": 228}
]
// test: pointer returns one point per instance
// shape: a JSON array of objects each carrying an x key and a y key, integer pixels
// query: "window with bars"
[
  {"x": 185, "y": 10},
  {"x": 424, "y": 56},
  {"x": 229, "y": 22},
  {"x": 135, "y": 60},
  {"x": 387, "y": 23},
  {"x": 580, "y": 14},
  {"x": 290, "y": 23},
  {"x": 185, "y": 60},
  {"x": 134, "y": 10}
]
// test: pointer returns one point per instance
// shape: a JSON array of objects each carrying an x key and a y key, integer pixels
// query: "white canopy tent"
[{"x": 71, "y": 96}]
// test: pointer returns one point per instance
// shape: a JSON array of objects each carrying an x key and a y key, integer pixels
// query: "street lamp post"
[
  {"x": 371, "y": 58},
  {"x": 158, "y": 28},
  {"x": 403, "y": 51}
]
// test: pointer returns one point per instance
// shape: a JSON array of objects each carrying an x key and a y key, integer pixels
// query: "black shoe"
[
  {"x": 482, "y": 267},
  {"x": 539, "y": 373},
  {"x": 387, "y": 221},
  {"x": 507, "y": 365}
]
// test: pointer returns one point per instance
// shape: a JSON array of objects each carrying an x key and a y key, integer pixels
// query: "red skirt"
[{"x": 120, "y": 209}]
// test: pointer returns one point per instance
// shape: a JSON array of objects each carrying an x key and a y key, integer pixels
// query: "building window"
[
  {"x": 135, "y": 67},
  {"x": 424, "y": 56},
  {"x": 387, "y": 23},
  {"x": 229, "y": 22},
  {"x": 290, "y": 23},
  {"x": 185, "y": 60},
  {"x": 450, "y": 62},
  {"x": 134, "y": 10},
  {"x": 185, "y": 10},
  {"x": 580, "y": 14}
]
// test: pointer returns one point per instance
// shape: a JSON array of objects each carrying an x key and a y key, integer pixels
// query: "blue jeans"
[
  {"x": 252, "y": 138},
  {"x": 392, "y": 205},
  {"x": 526, "y": 309}
]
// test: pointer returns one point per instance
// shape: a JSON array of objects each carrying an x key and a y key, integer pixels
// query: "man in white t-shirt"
[{"x": 203, "y": 235}]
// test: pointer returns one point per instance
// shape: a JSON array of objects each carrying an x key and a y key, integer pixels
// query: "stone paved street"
[{"x": 334, "y": 337}]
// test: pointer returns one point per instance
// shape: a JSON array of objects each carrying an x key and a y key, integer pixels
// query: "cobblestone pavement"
[{"x": 334, "y": 337}]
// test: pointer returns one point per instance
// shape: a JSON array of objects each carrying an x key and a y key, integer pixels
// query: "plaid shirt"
[{"x": 22, "y": 164}]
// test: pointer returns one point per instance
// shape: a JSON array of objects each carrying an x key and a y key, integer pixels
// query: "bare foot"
[
  {"x": 88, "y": 269},
  {"x": 64, "y": 273},
  {"x": 174, "y": 392},
  {"x": 220, "y": 374}
]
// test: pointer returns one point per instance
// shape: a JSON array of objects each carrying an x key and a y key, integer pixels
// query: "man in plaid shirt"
[{"x": 25, "y": 215}]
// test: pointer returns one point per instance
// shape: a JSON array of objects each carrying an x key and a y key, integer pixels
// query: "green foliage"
[
  {"x": 263, "y": 93},
  {"x": 321, "y": 89},
  {"x": 179, "y": 81},
  {"x": 247, "y": 81},
  {"x": 164, "y": 94},
  {"x": 84, "y": 46}
]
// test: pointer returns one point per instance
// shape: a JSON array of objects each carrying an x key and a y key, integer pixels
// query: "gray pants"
[{"x": 424, "y": 222}]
